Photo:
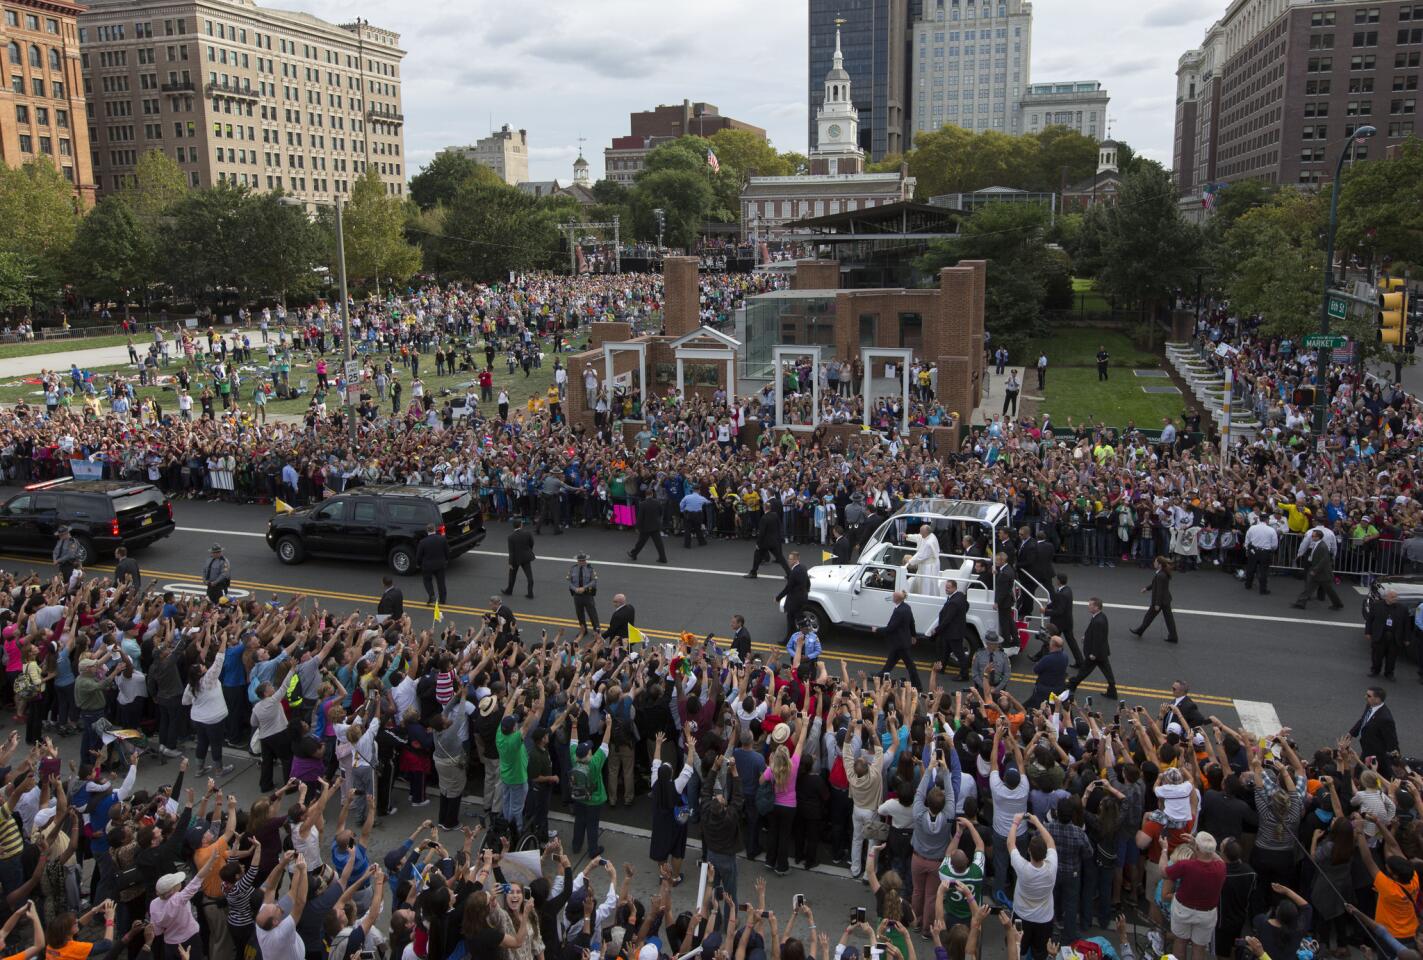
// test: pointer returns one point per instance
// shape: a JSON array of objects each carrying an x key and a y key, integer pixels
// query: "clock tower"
[{"x": 837, "y": 149}]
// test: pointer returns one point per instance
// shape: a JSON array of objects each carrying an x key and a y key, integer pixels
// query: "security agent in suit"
[
  {"x": 649, "y": 527},
  {"x": 623, "y": 616},
  {"x": 1059, "y": 614},
  {"x": 795, "y": 592},
  {"x": 1160, "y": 590},
  {"x": 1097, "y": 650},
  {"x": 1376, "y": 732},
  {"x": 768, "y": 540},
  {"x": 1051, "y": 674},
  {"x": 1318, "y": 572},
  {"x": 740, "y": 637},
  {"x": 951, "y": 629},
  {"x": 391, "y": 605},
  {"x": 841, "y": 547},
  {"x": 1386, "y": 631},
  {"x": 125, "y": 567},
  {"x": 1181, "y": 691},
  {"x": 521, "y": 557},
  {"x": 432, "y": 556},
  {"x": 899, "y": 637},
  {"x": 501, "y": 620},
  {"x": 583, "y": 587},
  {"x": 1003, "y": 597}
]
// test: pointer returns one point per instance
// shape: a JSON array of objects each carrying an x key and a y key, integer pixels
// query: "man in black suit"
[
  {"x": 392, "y": 602},
  {"x": 432, "y": 556},
  {"x": 740, "y": 637},
  {"x": 649, "y": 527},
  {"x": 502, "y": 620},
  {"x": 126, "y": 567},
  {"x": 841, "y": 547},
  {"x": 1375, "y": 731},
  {"x": 1003, "y": 599},
  {"x": 1181, "y": 690},
  {"x": 952, "y": 628},
  {"x": 623, "y": 616},
  {"x": 1098, "y": 651},
  {"x": 1059, "y": 614},
  {"x": 795, "y": 592},
  {"x": 1386, "y": 632},
  {"x": 521, "y": 557},
  {"x": 899, "y": 637},
  {"x": 1051, "y": 673},
  {"x": 768, "y": 541}
]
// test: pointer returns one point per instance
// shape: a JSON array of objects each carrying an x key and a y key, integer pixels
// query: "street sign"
[
  {"x": 1333, "y": 341},
  {"x": 353, "y": 369},
  {"x": 1338, "y": 309}
]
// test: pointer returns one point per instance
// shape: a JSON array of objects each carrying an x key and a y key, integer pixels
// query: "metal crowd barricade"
[{"x": 1379, "y": 558}]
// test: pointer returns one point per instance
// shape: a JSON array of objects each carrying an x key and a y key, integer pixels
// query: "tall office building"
[
  {"x": 1080, "y": 106},
  {"x": 875, "y": 42},
  {"x": 1278, "y": 88},
  {"x": 971, "y": 64},
  {"x": 504, "y": 151},
  {"x": 242, "y": 94},
  {"x": 43, "y": 112}
]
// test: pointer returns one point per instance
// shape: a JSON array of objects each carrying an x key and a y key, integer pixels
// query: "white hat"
[
  {"x": 43, "y": 818},
  {"x": 168, "y": 883}
]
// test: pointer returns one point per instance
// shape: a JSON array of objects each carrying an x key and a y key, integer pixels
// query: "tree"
[
  {"x": 113, "y": 252},
  {"x": 749, "y": 153},
  {"x": 953, "y": 160},
  {"x": 1148, "y": 251},
  {"x": 38, "y": 219},
  {"x": 1381, "y": 207},
  {"x": 201, "y": 242},
  {"x": 438, "y": 181},
  {"x": 1275, "y": 258},
  {"x": 491, "y": 230},
  {"x": 686, "y": 198},
  {"x": 284, "y": 247},
  {"x": 158, "y": 183},
  {"x": 1021, "y": 269},
  {"x": 374, "y": 227},
  {"x": 1064, "y": 155}
]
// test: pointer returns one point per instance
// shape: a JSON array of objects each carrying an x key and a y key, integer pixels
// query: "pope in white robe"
[{"x": 925, "y": 563}]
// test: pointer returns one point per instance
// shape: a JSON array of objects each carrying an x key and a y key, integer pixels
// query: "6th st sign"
[{"x": 1338, "y": 310}]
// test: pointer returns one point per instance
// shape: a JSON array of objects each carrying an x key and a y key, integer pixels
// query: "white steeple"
[
  {"x": 580, "y": 170},
  {"x": 837, "y": 120}
]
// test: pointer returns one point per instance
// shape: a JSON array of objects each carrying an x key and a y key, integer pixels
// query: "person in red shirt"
[{"x": 1198, "y": 880}]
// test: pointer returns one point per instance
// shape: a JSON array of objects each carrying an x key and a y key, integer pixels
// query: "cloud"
[
  {"x": 611, "y": 56},
  {"x": 1125, "y": 68},
  {"x": 1178, "y": 13}
]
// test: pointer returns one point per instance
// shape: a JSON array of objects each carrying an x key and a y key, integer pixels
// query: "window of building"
[
  {"x": 36, "y": 60},
  {"x": 1322, "y": 19},
  {"x": 51, "y": 25},
  {"x": 1321, "y": 41},
  {"x": 1405, "y": 82},
  {"x": 1361, "y": 85},
  {"x": 1362, "y": 62},
  {"x": 1410, "y": 36},
  {"x": 22, "y": 113},
  {"x": 1401, "y": 106},
  {"x": 1366, "y": 38},
  {"x": 1319, "y": 88},
  {"x": 1319, "y": 65},
  {"x": 27, "y": 143},
  {"x": 1366, "y": 15},
  {"x": 12, "y": 19},
  {"x": 1400, "y": 128},
  {"x": 32, "y": 22}
]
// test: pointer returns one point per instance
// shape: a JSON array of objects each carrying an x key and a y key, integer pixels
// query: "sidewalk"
[
  {"x": 85, "y": 359},
  {"x": 992, "y": 404}
]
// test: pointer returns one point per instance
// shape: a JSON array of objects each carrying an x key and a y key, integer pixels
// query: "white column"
[
  {"x": 904, "y": 404},
  {"x": 680, "y": 387},
  {"x": 730, "y": 375},
  {"x": 608, "y": 374}
]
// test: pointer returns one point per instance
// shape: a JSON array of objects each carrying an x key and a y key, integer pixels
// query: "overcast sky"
[{"x": 565, "y": 68}]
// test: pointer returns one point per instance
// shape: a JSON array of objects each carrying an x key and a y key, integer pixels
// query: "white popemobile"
[{"x": 860, "y": 594}]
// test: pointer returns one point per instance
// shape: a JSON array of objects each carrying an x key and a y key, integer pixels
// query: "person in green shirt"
[
  {"x": 542, "y": 780},
  {"x": 963, "y": 872},
  {"x": 589, "y": 794},
  {"x": 514, "y": 756}
]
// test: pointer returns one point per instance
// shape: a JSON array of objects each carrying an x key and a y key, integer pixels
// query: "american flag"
[{"x": 712, "y": 161}]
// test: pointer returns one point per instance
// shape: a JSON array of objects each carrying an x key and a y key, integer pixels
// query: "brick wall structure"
[
  {"x": 816, "y": 275},
  {"x": 681, "y": 312}
]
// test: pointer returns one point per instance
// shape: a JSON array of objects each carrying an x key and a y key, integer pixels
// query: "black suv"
[
  {"x": 102, "y": 515},
  {"x": 382, "y": 522}
]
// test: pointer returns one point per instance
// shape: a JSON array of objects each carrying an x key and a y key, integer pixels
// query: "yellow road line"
[{"x": 1090, "y": 686}]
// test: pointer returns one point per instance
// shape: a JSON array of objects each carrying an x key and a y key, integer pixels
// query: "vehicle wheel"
[
  {"x": 86, "y": 551},
  {"x": 290, "y": 550},
  {"x": 402, "y": 559},
  {"x": 814, "y": 614}
]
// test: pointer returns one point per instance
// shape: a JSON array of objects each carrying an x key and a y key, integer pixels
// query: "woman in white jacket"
[{"x": 208, "y": 710}]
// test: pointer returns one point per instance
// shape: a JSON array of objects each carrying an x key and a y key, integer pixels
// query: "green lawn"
[
  {"x": 1074, "y": 392},
  {"x": 34, "y": 348},
  {"x": 1086, "y": 298},
  {"x": 520, "y": 387},
  {"x": 1077, "y": 347}
]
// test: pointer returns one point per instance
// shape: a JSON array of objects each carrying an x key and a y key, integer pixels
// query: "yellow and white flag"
[
  {"x": 826, "y": 555},
  {"x": 438, "y": 615},
  {"x": 634, "y": 635},
  {"x": 281, "y": 506}
]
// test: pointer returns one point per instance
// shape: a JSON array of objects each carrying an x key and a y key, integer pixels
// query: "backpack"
[
  {"x": 581, "y": 781},
  {"x": 765, "y": 797},
  {"x": 624, "y": 731},
  {"x": 25, "y": 687}
]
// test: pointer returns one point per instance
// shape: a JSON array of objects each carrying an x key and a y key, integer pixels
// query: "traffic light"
[{"x": 1393, "y": 312}]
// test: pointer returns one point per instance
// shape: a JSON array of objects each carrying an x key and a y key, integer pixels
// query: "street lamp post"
[
  {"x": 346, "y": 350},
  {"x": 1326, "y": 354}
]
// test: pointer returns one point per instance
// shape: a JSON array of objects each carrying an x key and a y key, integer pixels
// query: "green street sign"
[
  {"x": 1333, "y": 341},
  {"x": 1338, "y": 309}
]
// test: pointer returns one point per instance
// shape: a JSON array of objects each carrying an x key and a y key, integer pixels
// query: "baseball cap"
[{"x": 168, "y": 883}]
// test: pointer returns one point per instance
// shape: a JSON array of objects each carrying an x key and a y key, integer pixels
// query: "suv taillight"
[
  {"x": 169, "y": 505},
  {"x": 114, "y": 527},
  {"x": 440, "y": 529}
]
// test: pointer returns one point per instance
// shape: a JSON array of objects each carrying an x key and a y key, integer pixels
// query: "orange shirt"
[
  {"x": 1394, "y": 911},
  {"x": 212, "y": 883},
  {"x": 73, "y": 950},
  {"x": 1015, "y": 720}
]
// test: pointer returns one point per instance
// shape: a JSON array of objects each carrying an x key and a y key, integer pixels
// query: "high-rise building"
[
  {"x": 504, "y": 151},
  {"x": 242, "y": 94},
  {"x": 1079, "y": 106},
  {"x": 1280, "y": 86},
  {"x": 875, "y": 44},
  {"x": 43, "y": 110},
  {"x": 623, "y": 159},
  {"x": 971, "y": 65}
]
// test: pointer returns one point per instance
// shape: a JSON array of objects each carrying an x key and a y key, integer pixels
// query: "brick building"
[
  {"x": 43, "y": 115},
  {"x": 1278, "y": 87},
  {"x": 623, "y": 160}
]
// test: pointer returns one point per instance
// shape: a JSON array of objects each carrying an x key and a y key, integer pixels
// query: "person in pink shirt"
[
  {"x": 171, "y": 912},
  {"x": 781, "y": 772}
]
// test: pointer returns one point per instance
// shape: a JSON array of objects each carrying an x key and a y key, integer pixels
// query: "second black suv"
[
  {"x": 102, "y": 515},
  {"x": 382, "y": 522}
]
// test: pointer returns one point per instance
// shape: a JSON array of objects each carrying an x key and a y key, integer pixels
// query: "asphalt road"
[{"x": 1248, "y": 658}]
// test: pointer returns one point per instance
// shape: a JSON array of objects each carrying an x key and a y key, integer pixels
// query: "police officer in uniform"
[
  {"x": 1261, "y": 541},
  {"x": 583, "y": 585},
  {"x": 217, "y": 575}
]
